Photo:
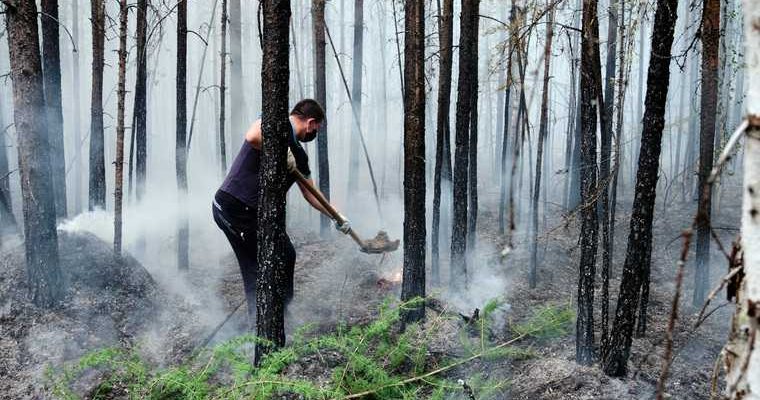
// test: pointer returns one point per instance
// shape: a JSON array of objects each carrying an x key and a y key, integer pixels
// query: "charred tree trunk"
[
  {"x": 472, "y": 169},
  {"x": 584, "y": 342},
  {"x": 635, "y": 270},
  {"x": 710, "y": 34},
  {"x": 458, "y": 275},
  {"x": 97, "y": 191},
  {"x": 542, "y": 132},
  {"x": 356, "y": 96},
  {"x": 445, "y": 61},
  {"x": 38, "y": 203},
  {"x": 51, "y": 64},
  {"x": 572, "y": 190},
  {"x": 237, "y": 94},
  {"x": 121, "y": 94},
  {"x": 320, "y": 94},
  {"x": 7, "y": 219},
  {"x": 180, "y": 157},
  {"x": 140, "y": 127},
  {"x": 223, "y": 93},
  {"x": 275, "y": 128},
  {"x": 413, "y": 284}
]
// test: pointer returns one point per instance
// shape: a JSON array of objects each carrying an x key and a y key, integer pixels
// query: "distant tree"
[
  {"x": 7, "y": 219},
  {"x": 710, "y": 34},
  {"x": 589, "y": 234},
  {"x": 38, "y": 203},
  {"x": 637, "y": 258},
  {"x": 121, "y": 94},
  {"x": 413, "y": 284},
  {"x": 320, "y": 94},
  {"x": 183, "y": 262},
  {"x": 140, "y": 114},
  {"x": 458, "y": 275},
  {"x": 542, "y": 132},
  {"x": 97, "y": 191},
  {"x": 356, "y": 95},
  {"x": 507, "y": 118},
  {"x": 237, "y": 95},
  {"x": 275, "y": 128},
  {"x": 77, "y": 123},
  {"x": 51, "y": 64},
  {"x": 443, "y": 130},
  {"x": 223, "y": 93}
]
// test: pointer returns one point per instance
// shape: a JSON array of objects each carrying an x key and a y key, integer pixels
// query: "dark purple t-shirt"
[{"x": 242, "y": 181}]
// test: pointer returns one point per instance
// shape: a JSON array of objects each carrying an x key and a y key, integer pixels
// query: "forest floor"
[{"x": 109, "y": 305}]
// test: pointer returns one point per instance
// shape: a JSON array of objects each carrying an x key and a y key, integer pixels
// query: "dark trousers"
[{"x": 239, "y": 223}]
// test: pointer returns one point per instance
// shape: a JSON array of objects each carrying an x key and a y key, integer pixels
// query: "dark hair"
[{"x": 309, "y": 108}]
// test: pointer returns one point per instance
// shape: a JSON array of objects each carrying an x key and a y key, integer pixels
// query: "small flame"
[{"x": 396, "y": 276}]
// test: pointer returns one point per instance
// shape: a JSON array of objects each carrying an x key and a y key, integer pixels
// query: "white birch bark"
[{"x": 742, "y": 357}]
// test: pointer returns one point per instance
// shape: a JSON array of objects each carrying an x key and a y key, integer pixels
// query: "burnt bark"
[
  {"x": 589, "y": 234},
  {"x": 180, "y": 156},
  {"x": 38, "y": 203},
  {"x": 223, "y": 93},
  {"x": 121, "y": 94},
  {"x": 507, "y": 120},
  {"x": 635, "y": 267},
  {"x": 472, "y": 169},
  {"x": 413, "y": 284},
  {"x": 51, "y": 65},
  {"x": 445, "y": 62},
  {"x": 542, "y": 132},
  {"x": 458, "y": 274},
  {"x": 710, "y": 34},
  {"x": 320, "y": 94},
  {"x": 97, "y": 180},
  {"x": 140, "y": 127},
  {"x": 275, "y": 128}
]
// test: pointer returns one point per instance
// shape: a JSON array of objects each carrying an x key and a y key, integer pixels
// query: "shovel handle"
[{"x": 326, "y": 204}]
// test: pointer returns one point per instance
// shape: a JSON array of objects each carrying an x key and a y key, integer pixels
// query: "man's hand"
[
  {"x": 291, "y": 162},
  {"x": 345, "y": 227}
]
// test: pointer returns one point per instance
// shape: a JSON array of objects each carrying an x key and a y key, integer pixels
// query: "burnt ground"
[{"x": 121, "y": 304}]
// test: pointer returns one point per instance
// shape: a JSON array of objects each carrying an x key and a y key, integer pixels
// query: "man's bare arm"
[{"x": 253, "y": 135}]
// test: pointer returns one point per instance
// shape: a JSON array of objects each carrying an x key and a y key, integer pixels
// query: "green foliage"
[{"x": 377, "y": 358}]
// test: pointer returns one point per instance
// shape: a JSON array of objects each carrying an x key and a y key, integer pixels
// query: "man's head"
[{"x": 308, "y": 116}]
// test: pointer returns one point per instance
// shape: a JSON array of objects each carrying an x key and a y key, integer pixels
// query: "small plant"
[{"x": 376, "y": 360}]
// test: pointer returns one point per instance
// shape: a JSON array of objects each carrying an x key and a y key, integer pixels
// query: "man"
[{"x": 236, "y": 202}]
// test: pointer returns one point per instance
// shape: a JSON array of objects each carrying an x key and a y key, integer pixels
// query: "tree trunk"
[
  {"x": 505, "y": 134},
  {"x": 710, "y": 34},
  {"x": 584, "y": 342},
  {"x": 38, "y": 203},
  {"x": 413, "y": 284},
  {"x": 77, "y": 125},
  {"x": 140, "y": 109},
  {"x": 356, "y": 96},
  {"x": 51, "y": 64},
  {"x": 635, "y": 271},
  {"x": 604, "y": 167},
  {"x": 270, "y": 283},
  {"x": 7, "y": 219},
  {"x": 237, "y": 94},
  {"x": 445, "y": 61},
  {"x": 119, "y": 162},
  {"x": 742, "y": 362},
  {"x": 572, "y": 191},
  {"x": 97, "y": 191},
  {"x": 472, "y": 169},
  {"x": 458, "y": 275},
  {"x": 180, "y": 158},
  {"x": 223, "y": 93},
  {"x": 542, "y": 132},
  {"x": 320, "y": 94}
]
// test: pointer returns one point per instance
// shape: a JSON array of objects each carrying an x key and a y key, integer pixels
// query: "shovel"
[{"x": 380, "y": 244}]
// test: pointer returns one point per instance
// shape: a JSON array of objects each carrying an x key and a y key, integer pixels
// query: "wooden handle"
[{"x": 326, "y": 204}]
